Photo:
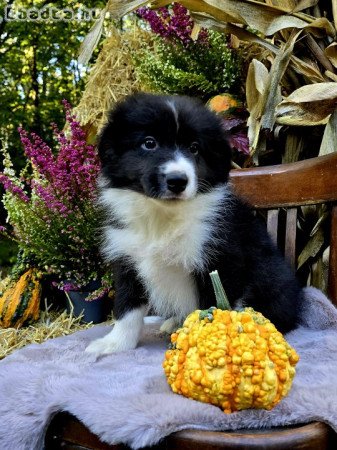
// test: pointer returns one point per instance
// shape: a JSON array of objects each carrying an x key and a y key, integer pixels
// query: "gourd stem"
[{"x": 220, "y": 294}]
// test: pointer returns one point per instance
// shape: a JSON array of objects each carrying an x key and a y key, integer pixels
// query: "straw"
[
  {"x": 111, "y": 78},
  {"x": 51, "y": 324}
]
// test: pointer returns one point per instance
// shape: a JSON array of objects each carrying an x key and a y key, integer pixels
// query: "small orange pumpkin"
[{"x": 224, "y": 104}]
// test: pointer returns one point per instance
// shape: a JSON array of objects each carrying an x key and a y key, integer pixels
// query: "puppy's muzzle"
[{"x": 176, "y": 182}]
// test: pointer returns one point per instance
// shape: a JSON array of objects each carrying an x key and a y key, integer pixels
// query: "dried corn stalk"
[{"x": 281, "y": 26}]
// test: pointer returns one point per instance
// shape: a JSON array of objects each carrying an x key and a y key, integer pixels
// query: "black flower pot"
[{"x": 95, "y": 311}]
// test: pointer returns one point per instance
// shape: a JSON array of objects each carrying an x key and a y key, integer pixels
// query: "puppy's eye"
[
  {"x": 149, "y": 143},
  {"x": 194, "y": 148}
]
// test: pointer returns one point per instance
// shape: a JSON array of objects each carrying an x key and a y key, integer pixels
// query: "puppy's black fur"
[{"x": 143, "y": 133}]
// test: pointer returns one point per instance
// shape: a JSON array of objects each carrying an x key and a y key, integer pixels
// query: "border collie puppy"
[{"x": 171, "y": 218}]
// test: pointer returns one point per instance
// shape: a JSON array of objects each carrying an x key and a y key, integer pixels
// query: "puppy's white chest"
[
  {"x": 165, "y": 243},
  {"x": 164, "y": 262},
  {"x": 171, "y": 288}
]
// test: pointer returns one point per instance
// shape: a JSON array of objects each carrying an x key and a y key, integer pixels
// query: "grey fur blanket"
[{"x": 124, "y": 398}]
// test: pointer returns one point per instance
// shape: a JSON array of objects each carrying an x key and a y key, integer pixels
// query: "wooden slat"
[
  {"x": 66, "y": 431},
  {"x": 313, "y": 436},
  {"x": 301, "y": 183},
  {"x": 290, "y": 238},
  {"x": 272, "y": 224},
  {"x": 332, "y": 280}
]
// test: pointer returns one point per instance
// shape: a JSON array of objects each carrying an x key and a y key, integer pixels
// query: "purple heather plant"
[
  {"x": 11, "y": 187},
  {"x": 172, "y": 23},
  {"x": 72, "y": 174},
  {"x": 52, "y": 211},
  {"x": 175, "y": 62}
]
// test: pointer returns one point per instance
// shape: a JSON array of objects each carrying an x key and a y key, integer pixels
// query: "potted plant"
[{"x": 52, "y": 213}]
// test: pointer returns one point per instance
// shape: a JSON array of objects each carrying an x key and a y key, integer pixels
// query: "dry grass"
[
  {"x": 111, "y": 78},
  {"x": 51, "y": 324}
]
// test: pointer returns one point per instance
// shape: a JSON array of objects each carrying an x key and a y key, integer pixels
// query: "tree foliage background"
[{"x": 38, "y": 68}]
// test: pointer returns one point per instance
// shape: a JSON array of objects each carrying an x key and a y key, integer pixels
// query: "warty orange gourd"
[
  {"x": 233, "y": 359},
  {"x": 20, "y": 303}
]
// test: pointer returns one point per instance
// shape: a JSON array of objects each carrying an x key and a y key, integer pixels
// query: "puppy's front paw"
[
  {"x": 170, "y": 325},
  {"x": 124, "y": 335},
  {"x": 107, "y": 345}
]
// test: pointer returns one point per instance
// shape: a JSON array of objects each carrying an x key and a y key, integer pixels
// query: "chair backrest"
[{"x": 308, "y": 182}]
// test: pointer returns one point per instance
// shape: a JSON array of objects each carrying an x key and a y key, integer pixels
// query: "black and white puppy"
[{"x": 171, "y": 218}]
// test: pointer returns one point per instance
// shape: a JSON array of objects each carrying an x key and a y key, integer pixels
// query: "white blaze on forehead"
[
  {"x": 182, "y": 165},
  {"x": 172, "y": 107}
]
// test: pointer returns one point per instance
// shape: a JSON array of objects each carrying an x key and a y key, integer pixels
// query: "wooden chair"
[{"x": 309, "y": 182}]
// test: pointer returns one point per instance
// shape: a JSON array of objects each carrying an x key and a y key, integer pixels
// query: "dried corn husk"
[
  {"x": 292, "y": 5},
  {"x": 309, "y": 105},
  {"x": 265, "y": 18},
  {"x": 92, "y": 38},
  {"x": 329, "y": 141},
  {"x": 313, "y": 246},
  {"x": 331, "y": 53}
]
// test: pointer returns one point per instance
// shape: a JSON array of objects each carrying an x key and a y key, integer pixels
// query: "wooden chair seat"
[
  {"x": 67, "y": 432},
  {"x": 308, "y": 182}
]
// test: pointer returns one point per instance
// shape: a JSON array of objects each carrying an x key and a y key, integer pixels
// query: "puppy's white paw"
[
  {"x": 107, "y": 345},
  {"x": 124, "y": 335},
  {"x": 170, "y": 325}
]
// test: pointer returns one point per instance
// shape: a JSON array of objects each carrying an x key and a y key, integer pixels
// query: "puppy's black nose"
[{"x": 176, "y": 182}]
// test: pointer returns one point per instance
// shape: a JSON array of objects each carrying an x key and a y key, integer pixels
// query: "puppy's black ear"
[
  {"x": 116, "y": 129},
  {"x": 106, "y": 142},
  {"x": 113, "y": 132}
]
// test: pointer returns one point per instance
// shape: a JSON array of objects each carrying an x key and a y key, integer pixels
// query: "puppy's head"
[{"x": 165, "y": 147}]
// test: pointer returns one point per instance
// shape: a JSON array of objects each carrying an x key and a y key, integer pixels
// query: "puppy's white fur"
[
  {"x": 184, "y": 166},
  {"x": 124, "y": 335},
  {"x": 173, "y": 108},
  {"x": 164, "y": 240}
]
